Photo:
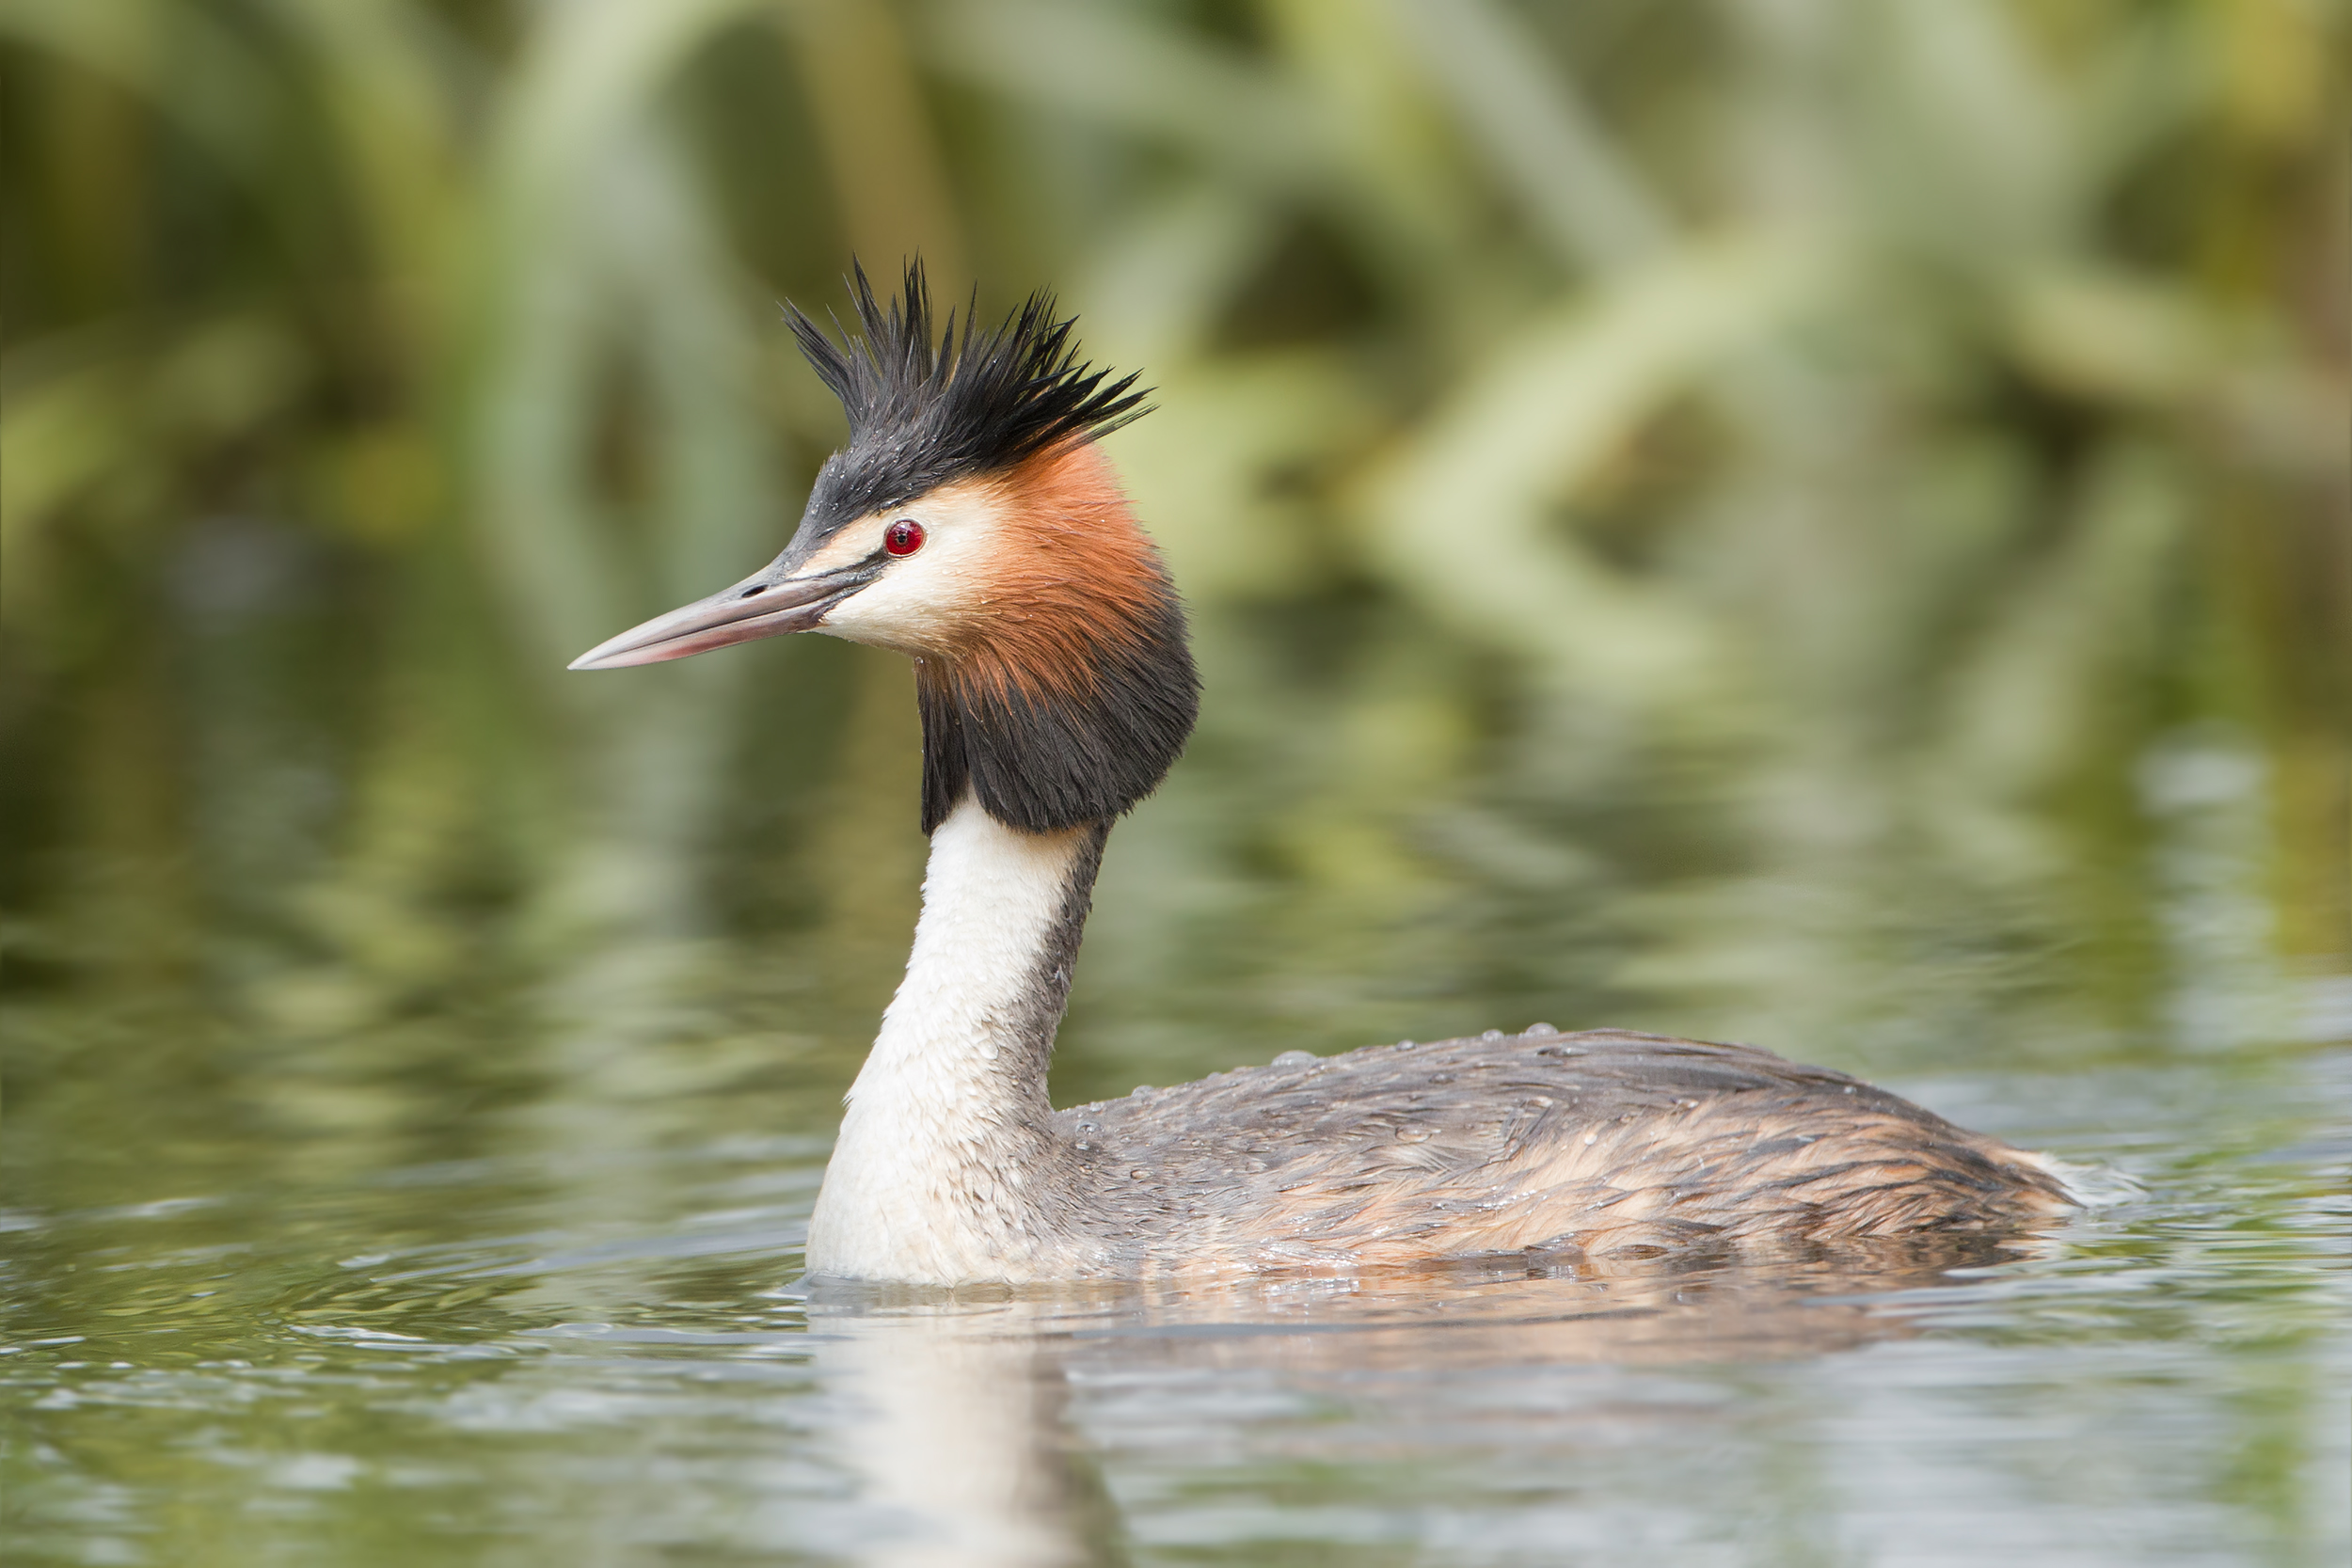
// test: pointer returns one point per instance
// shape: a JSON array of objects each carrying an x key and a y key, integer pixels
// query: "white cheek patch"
[{"x": 921, "y": 602}]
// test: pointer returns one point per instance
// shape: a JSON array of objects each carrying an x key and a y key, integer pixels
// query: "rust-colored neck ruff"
[{"x": 1072, "y": 693}]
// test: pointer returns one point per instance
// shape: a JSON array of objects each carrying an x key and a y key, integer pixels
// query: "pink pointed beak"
[{"x": 766, "y": 604}]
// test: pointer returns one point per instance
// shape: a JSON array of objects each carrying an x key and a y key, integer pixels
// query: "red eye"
[{"x": 903, "y": 537}]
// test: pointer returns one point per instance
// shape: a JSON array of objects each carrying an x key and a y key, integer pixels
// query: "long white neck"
[{"x": 948, "y": 1169}]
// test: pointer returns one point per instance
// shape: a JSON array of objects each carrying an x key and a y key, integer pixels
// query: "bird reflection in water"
[{"x": 958, "y": 1405}]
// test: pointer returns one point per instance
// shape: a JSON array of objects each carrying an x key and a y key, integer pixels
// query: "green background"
[{"x": 1818, "y": 522}]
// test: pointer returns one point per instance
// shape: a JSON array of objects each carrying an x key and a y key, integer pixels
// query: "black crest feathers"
[{"x": 925, "y": 412}]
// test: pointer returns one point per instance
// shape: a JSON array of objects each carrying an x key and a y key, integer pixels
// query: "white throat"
[{"x": 948, "y": 1169}]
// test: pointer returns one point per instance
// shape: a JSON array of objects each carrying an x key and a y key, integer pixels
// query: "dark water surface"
[{"x": 508, "y": 1273}]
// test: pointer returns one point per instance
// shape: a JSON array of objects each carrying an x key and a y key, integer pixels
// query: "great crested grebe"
[{"x": 973, "y": 524}]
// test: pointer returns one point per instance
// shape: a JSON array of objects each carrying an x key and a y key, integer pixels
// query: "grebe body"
[{"x": 973, "y": 524}]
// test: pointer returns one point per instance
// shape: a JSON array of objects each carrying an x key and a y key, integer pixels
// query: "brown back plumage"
[{"x": 1597, "y": 1143}]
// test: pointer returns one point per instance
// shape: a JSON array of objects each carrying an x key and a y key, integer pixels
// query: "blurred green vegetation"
[
  {"x": 1823, "y": 522},
  {"x": 1930, "y": 419}
]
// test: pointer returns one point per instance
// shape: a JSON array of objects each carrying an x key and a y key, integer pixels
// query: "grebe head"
[{"x": 972, "y": 523}]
